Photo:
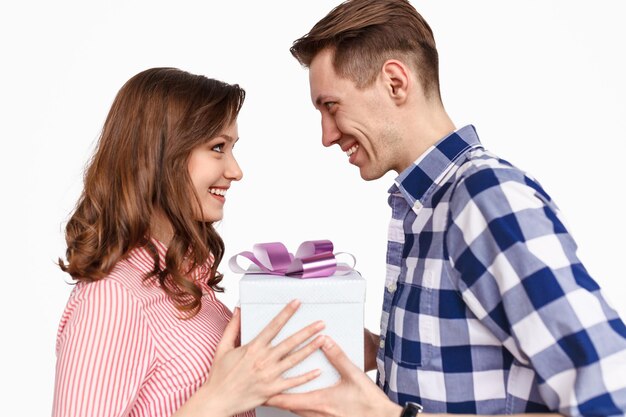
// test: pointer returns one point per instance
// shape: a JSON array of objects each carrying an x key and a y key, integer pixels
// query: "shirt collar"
[
  {"x": 143, "y": 259},
  {"x": 415, "y": 181}
]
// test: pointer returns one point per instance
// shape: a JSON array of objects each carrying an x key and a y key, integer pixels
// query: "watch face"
[{"x": 411, "y": 409}]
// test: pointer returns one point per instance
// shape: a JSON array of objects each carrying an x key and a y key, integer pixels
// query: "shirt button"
[
  {"x": 381, "y": 344},
  {"x": 392, "y": 287},
  {"x": 417, "y": 205}
]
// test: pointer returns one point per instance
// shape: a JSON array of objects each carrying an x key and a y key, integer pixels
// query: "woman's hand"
[{"x": 245, "y": 377}]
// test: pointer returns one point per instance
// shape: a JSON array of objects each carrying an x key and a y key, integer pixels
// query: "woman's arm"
[{"x": 103, "y": 354}]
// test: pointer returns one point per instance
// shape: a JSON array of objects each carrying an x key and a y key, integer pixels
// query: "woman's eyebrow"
[{"x": 227, "y": 137}]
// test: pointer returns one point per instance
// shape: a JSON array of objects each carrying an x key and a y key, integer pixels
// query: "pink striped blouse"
[{"x": 122, "y": 351}]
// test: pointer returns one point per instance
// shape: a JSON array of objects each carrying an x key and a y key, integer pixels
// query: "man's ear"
[{"x": 396, "y": 79}]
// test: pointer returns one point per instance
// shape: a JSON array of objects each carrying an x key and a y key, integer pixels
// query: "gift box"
[{"x": 337, "y": 299}]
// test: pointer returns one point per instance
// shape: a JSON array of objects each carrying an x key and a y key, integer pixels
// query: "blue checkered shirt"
[{"x": 487, "y": 309}]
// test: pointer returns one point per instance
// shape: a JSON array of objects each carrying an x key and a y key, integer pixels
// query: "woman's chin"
[{"x": 210, "y": 216}]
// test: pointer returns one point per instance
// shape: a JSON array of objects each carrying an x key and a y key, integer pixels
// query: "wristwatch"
[{"x": 411, "y": 409}]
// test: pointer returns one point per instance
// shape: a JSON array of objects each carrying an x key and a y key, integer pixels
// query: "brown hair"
[
  {"x": 366, "y": 33},
  {"x": 140, "y": 164}
]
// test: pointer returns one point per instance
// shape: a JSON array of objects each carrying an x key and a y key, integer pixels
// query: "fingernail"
[
  {"x": 294, "y": 303},
  {"x": 236, "y": 312},
  {"x": 319, "y": 325},
  {"x": 328, "y": 343}
]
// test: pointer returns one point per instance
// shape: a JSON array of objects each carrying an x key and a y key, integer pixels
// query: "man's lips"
[{"x": 350, "y": 147}]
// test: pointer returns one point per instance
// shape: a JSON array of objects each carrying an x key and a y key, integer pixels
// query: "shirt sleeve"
[
  {"x": 518, "y": 272},
  {"x": 103, "y": 355}
]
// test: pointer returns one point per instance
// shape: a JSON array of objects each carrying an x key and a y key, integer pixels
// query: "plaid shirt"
[{"x": 487, "y": 309}]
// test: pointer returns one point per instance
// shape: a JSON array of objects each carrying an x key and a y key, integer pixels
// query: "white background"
[{"x": 542, "y": 81}]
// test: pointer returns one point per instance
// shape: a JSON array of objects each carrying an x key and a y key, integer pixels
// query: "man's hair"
[
  {"x": 365, "y": 33},
  {"x": 140, "y": 165}
]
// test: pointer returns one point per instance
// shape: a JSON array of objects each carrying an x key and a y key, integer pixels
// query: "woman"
[{"x": 140, "y": 335}]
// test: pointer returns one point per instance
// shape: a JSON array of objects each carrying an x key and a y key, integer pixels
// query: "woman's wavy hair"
[{"x": 140, "y": 164}]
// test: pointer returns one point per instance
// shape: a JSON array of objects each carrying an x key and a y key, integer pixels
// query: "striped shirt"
[
  {"x": 122, "y": 351},
  {"x": 487, "y": 309}
]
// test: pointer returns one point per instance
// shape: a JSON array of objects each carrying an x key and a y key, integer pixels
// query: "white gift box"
[{"x": 337, "y": 300}]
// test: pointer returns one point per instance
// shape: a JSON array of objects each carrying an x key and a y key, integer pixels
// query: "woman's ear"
[{"x": 397, "y": 80}]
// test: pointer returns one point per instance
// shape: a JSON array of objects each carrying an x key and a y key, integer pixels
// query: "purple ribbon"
[{"x": 314, "y": 259}]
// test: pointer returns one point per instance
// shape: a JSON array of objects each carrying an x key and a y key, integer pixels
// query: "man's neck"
[{"x": 426, "y": 130}]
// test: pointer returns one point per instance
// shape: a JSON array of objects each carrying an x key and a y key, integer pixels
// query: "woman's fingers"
[
  {"x": 295, "y": 340},
  {"x": 301, "y": 354},
  {"x": 295, "y": 381},
  {"x": 283, "y": 356},
  {"x": 271, "y": 330},
  {"x": 231, "y": 334}
]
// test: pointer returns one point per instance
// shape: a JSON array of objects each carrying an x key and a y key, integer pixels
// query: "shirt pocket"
[{"x": 404, "y": 341}]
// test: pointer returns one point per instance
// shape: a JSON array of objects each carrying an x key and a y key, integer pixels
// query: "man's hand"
[
  {"x": 370, "y": 349},
  {"x": 354, "y": 395}
]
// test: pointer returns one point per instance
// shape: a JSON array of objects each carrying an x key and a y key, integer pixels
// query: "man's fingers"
[
  {"x": 231, "y": 333},
  {"x": 271, "y": 330},
  {"x": 294, "y": 401},
  {"x": 337, "y": 357}
]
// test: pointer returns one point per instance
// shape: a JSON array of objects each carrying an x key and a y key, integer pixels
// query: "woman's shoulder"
[
  {"x": 123, "y": 281},
  {"x": 103, "y": 304},
  {"x": 126, "y": 284},
  {"x": 116, "y": 288}
]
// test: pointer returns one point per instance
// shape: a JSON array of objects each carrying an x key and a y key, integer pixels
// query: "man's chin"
[{"x": 369, "y": 174}]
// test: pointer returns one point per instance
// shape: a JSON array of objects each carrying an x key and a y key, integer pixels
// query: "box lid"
[{"x": 273, "y": 289}]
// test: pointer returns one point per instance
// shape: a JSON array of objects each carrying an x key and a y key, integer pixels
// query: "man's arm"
[{"x": 516, "y": 266}]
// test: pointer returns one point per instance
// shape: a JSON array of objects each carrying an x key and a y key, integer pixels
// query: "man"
[{"x": 487, "y": 309}]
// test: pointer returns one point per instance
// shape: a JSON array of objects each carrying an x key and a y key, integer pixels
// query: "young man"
[{"x": 487, "y": 309}]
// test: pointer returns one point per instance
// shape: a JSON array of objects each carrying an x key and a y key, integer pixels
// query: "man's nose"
[{"x": 330, "y": 131}]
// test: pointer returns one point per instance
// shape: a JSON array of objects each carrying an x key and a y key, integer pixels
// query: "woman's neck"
[{"x": 161, "y": 228}]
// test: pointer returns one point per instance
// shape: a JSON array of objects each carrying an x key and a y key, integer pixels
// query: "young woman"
[{"x": 141, "y": 332}]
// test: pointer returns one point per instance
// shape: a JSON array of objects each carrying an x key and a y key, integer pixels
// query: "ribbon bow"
[{"x": 314, "y": 259}]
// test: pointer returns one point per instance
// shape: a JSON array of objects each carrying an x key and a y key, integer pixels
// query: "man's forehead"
[{"x": 322, "y": 76}]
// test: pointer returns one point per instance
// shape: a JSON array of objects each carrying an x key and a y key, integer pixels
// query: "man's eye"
[
  {"x": 329, "y": 104},
  {"x": 218, "y": 148}
]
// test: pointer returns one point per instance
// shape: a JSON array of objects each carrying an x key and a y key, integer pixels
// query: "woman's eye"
[{"x": 218, "y": 148}]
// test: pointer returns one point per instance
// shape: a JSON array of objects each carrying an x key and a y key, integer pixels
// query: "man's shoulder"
[
  {"x": 481, "y": 165},
  {"x": 482, "y": 160},
  {"x": 483, "y": 176}
]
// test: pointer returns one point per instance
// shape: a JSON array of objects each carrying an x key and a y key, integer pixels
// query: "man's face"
[{"x": 358, "y": 120}]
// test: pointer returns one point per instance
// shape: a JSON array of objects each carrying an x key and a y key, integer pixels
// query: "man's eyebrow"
[{"x": 319, "y": 100}]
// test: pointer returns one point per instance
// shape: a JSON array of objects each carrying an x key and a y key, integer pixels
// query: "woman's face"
[{"x": 212, "y": 168}]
